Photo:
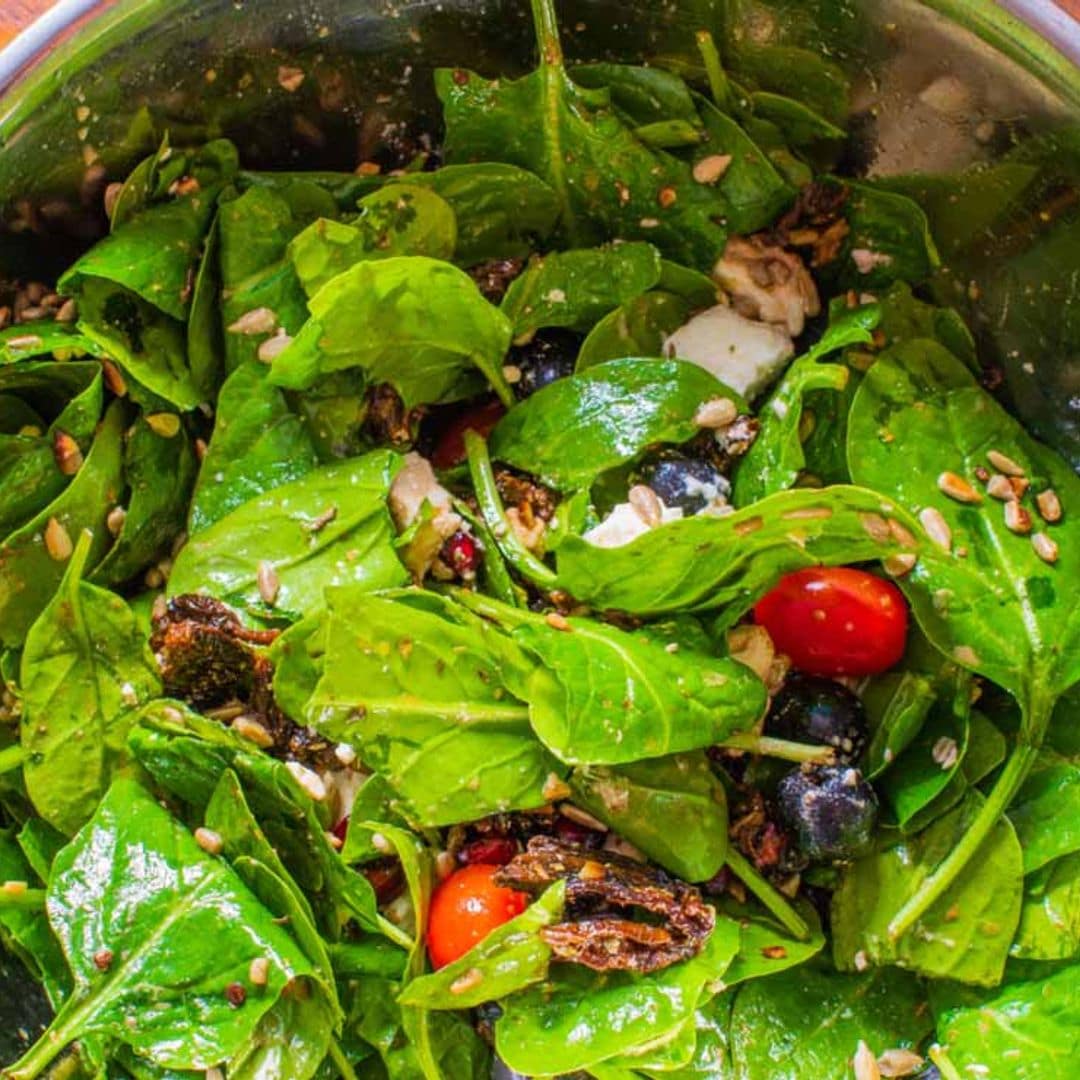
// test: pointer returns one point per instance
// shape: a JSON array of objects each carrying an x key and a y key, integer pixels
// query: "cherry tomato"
[
  {"x": 466, "y": 907},
  {"x": 450, "y": 449},
  {"x": 836, "y": 621}
]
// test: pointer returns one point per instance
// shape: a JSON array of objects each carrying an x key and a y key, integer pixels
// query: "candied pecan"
[
  {"x": 601, "y": 891},
  {"x": 387, "y": 420},
  {"x": 525, "y": 495},
  {"x": 494, "y": 276},
  {"x": 214, "y": 663}
]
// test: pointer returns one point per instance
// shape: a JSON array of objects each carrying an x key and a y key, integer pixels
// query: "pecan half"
[{"x": 603, "y": 891}]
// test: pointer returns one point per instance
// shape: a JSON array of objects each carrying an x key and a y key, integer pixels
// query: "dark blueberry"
[
  {"x": 551, "y": 355},
  {"x": 831, "y": 809},
  {"x": 814, "y": 710},
  {"x": 689, "y": 484}
]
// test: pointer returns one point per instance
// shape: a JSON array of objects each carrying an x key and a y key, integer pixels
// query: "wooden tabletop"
[{"x": 17, "y": 14}]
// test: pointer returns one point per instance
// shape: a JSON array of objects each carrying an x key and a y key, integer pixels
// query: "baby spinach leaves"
[
  {"x": 417, "y": 323},
  {"x": 123, "y": 932},
  {"x": 1050, "y": 918},
  {"x": 1046, "y": 811},
  {"x": 708, "y": 563},
  {"x": 989, "y": 601},
  {"x": 609, "y": 183},
  {"x": 965, "y": 935},
  {"x": 578, "y": 427},
  {"x": 415, "y": 684},
  {"x": 85, "y": 669},
  {"x": 636, "y": 328},
  {"x": 672, "y": 808},
  {"x": 286, "y": 529},
  {"x": 575, "y": 289}
]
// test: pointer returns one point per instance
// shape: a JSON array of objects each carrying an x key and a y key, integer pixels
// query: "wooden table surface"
[{"x": 16, "y": 14}]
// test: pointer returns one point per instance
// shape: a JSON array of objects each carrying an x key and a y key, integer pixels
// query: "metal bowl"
[{"x": 940, "y": 85}]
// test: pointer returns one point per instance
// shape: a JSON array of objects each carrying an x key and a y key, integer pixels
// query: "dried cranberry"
[
  {"x": 450, "y": 447},
  {"x": 341, "y": 829},
  {"x": 495, "y": 851},
  {"x": 462, "y": 554},
  {"x": 386, "y": 878},
  {"x": 573, "y": 832}
]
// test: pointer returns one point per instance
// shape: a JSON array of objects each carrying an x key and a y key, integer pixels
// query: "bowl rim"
[{"x": 1038, "y": 34}]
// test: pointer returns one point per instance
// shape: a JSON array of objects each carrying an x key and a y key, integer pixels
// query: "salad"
[{"x": 563, "y": 602}]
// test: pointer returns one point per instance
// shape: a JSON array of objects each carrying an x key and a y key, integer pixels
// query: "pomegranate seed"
[
  {"x": 497, "y": 851},
  {"x": 462, "y": 554},
  {"x": 573, "y": 832}
]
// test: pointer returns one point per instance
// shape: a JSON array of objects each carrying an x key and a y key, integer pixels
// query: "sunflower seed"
[
  {"x": 937, "y": 528},
  {"x": 257, "y": 321},
  {"x": 247, "y": 727},
  {"x": 716, "y": 414},
  {"x": 865, "y": 1064},
  {"x": 58, "y": 541},
  {"x": 259, "y": 971},
  {"x": 310, "y": 781},
  {"x": 1044, "y": 547},
  {"x": 469, "y": 981},
  {"x": 1049, "y": 506},
  {"x": 273, "y": 347},
  {"x": 998, "y": 487},
  {"x": 210, "y": 841},
  {"x": 646, "y": 504},
  {"x": 269, "y": 583},
  {"x": 66, "y": 452},
  {"x": 165, "y": 424},
  {"x": 1004, "y": 464},
  {"x": 558, "y": 622},
  {"x": 115, "y": 521},
  {"x": 1017, "y": 519},
  {"x": 899, "y": 1062},
  {"x": 710, "y": 169},
  {"x": 945, "y": 752},
  {"x": 899, "y": 565},
  {"x": 956, "y": 487}
]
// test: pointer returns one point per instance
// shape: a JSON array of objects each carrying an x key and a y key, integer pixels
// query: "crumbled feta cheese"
[
  {"x": 742, "y": 353},
  {"x": 625, "y": 524}
]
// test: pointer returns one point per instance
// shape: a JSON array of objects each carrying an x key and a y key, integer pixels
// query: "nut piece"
[
  {"x": 710, "y": 169},
  {"x": 716, "y": 414},
  {"x": 998, "y": 487},
  {"x": 899, "y": 1062},
  {"x": 210, "y": 841},
  {"x": 1004, "y": 464},
  {"x": 103, "y": 959},
  {"x": 956, "y": 487},
  {"x": 1044, "y": 547},
  {"x": 115, "y": 521},
  {"x": 647, "y": 504},
  {"x": 865, "y": 1064},
  {"x": 937, "y": 528},
  {"x": 1049, "y": 506},
  {"x": 58, "y": 541},
  {"x": 1017, "y": 519},
  {"x": 269, "y": 583}
]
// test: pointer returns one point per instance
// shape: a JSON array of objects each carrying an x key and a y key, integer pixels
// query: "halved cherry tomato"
[
  {"x": 836, "y": 620},
  {"x": 450, "y": 449},
  {"x": 466, "y": 907}
]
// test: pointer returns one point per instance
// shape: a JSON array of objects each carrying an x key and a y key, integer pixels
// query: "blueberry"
[
  {"x": 831, "y": 809},
  {"x": 551, "y": 355},
  {"x": 814, "y": 710},
  {"x": 687, "y": 483}
]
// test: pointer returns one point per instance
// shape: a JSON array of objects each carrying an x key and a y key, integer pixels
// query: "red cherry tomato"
[
  {"x": 466, "y": 907},
  {"x": 836, "y": 620},
  {"x": 450, "y": 449}
]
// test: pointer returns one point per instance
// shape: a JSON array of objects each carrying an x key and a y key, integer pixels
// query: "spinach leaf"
[
  {"x": 413, "y": 686},
  {"x": 297, "y": 655},
  {"x": 397, "y": 220},
  {"x": 258, "y": 444},
  {"x": 889, "y": 241},
  {"x": 636, "y": 328},
  {"x": 896, "y": 704},
  {"x": 989, "y": 602},
  {"x": 281, "y": 528},
  {"x": 706, "y": 563},
  {"x": 205, "y": 332},
  {"x": 160, "y": 473},
  {"x": 1029, "y": 1029},
  {"x": 601, "y": 696},
  {"x": 576, "y": 428},
  {"x": 644, "y": 95},
  {"x": 755, "y": 191},
  {"x": 608, "y": 182},
  {"x": 810, "y": 1022},
  {"x": 254, "y": 231},
  {"x": 510, "y": 958},
  {"x": 417, "y": 323},
  {"x": 173, "y": 921},
  {"x": 965, "y": 935},
  {"x": 85, "y": 669},
  {"x": 579, "y": 1018},
  {"x": 673, "y": 808},
  {"x": 1050, "y": 917},
  {"x": 765, "y": 947},
  {"x": 776, "y": 458},
  {"x": 1046, "y": 811},
  {"x": 291, "y": 1039},
  {"x": 29, "y": 575},
  {"x": 575, "y": 289}
]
